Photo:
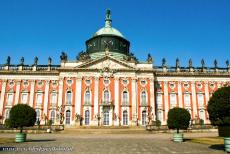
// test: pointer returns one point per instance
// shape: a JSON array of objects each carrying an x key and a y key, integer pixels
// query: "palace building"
[{"x": 107, "y": 85}]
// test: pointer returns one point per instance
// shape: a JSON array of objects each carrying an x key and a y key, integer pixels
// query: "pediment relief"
[{"x": 106, "y": 62}]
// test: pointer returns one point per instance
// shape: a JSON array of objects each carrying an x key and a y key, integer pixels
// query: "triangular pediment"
[{"x": 108, "y": 62}]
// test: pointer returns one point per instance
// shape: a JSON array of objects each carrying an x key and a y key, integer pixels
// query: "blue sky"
[{"x": 165, "y": 28}]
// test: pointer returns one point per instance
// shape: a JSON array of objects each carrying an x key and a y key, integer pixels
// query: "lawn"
[
  {"x": 207, "y": 140},
  {"x": 6, "y": 140}
]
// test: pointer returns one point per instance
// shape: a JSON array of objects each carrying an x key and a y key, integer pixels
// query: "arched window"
[
  {"x": 67, "y": 117},
  {"x": 143, "y": 98},
  {"x": 24, "y": 98},
  {"x": 125, "y": 97},
  {"x": 106, "y": 96},
  {"x": 53, "y": 116},
  {"x": 37, "y": 115},
  {"x": 87, "y": 117},
  {"x": 68, "y": 97},
  {"x": 144, "y": 118},
  {"x": 106, "y": 118},
  {"x": 125, "y": 117},
  {"x": 87, "y": 97}
]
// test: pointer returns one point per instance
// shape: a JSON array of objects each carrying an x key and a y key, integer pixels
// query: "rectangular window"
[
  {"x": 24, "y": 98},
  {"x": 173, "y": 99},
  {"x": 159, "y": 99},
  {"x": 39, "y": 99},
  {"x": 187, "y": 99},
  {"x": 201, "y": 99},
  {"x": 53, "y": 98},
  {"x": 9, "y": 99}
]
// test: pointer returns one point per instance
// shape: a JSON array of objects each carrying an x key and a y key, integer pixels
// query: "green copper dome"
[
  {"x": 108, "y": 29},
  {"x": 107, "y": 38}
]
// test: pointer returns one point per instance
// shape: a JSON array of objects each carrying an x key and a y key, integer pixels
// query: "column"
[
  {"x": 96, "y": 89},
  {"x": 180, "y": 94},
  {"x": 32, "y": 84},
  {"x": 78, "y": 96},
  {"x": 194, "y": 99},
  {"x": 134, "y": 101},
  {"x": 16, "y": 100},
  {"x": 46, "y": 97},
  {"x": 116, "y": 99},
  {"x": 166, "y": 104},
  {"x": 152, "y": 99},
  {"x": 2, "y": 96},
  {"x": 206, "y": 91},
  {"x": 60, "y": 91}
]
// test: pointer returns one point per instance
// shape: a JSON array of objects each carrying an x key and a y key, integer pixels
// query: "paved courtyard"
[{"x": 109, "y": 143}]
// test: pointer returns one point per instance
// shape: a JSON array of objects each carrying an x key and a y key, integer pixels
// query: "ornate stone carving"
[{"x": 82, "y": 56}]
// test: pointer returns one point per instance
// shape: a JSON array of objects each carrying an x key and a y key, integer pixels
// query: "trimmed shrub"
[
  {"x": 21, "y": 115},
  {"x": 178, "y": 118},
  {"x": 219, "y": 107}
]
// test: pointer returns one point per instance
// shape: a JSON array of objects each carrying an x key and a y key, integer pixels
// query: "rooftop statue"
[
  {"x": 190, "y": 63},
  {"x": 49, "y": 61},
  {"x": 8, "y": 61},
  {"x": 150, "y": 59},
  {"x": 36, "y": 61},
  {"x": 227, "y": 63},
  {"x": 215, "y": 63},
  {"x": 163, "y": 62},
  {"x": 22, "y": 61},
  {"x": 177, "y": 63},
  {"x": 202, "y": 63},
  {"x": 63, "y": 56}
]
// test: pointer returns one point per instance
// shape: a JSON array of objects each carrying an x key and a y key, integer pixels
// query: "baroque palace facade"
[{"x": 107, "y": 85}]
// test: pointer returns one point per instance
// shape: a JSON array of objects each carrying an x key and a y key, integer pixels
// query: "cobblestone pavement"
[{"x": 111, "y": 143}]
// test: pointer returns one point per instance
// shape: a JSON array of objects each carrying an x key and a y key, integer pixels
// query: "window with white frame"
[
  {"x": 39, "y": 99},
  {"x": 125, "y": 97},
  {"x": 144, "y": 116},
  {"x": 143, "y": 98},
  {"x": 106, "y": 96},
  {"x": 24, "y": 98},
  {"x": 159, "y": 115},
  {"x": 53, "y": 98},
  {"x": 68, "y": 97},
  {"x": 68, "y": 117},
  {"x": 125, "y": 117},
  {"x": 7, "y": 113},
  {"x": 187, "y": 99},
  {"x": 87, "y": 97},
  {"x": 52, "y": 115},
  {"x": 37, "y": 115},
  {"x": 202, "y": 114},
  {"x": 173, "y": 99},
  {"x": 87, "y": 117},
  {"x": 10, "y": 99},
  {"x": 159, "y": 99},
  {"x": 201, "y": 99}
]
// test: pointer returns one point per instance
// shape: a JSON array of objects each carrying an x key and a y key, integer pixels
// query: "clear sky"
[{"x": 165, "y": 28}]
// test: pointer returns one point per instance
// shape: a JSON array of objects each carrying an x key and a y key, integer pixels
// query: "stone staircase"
[{"x": 104, "y": 130}]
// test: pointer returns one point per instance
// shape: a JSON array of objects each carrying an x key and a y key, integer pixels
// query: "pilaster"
[
  {"x": 17, "y": 93},
  {"x": 2, "y": 96},
  {"x": 32, "y": 84}
]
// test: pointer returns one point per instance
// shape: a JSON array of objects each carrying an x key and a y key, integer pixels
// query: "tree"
[
  {"x": 219, "y": 107},
  {"x": 178, "y": 118},
  {"x": 22, "y": 115}
]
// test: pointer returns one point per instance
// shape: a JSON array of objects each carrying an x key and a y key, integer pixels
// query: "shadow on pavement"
[
  {"x": 217, "y": 147},
  {"x": 44, "y": 140}
]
